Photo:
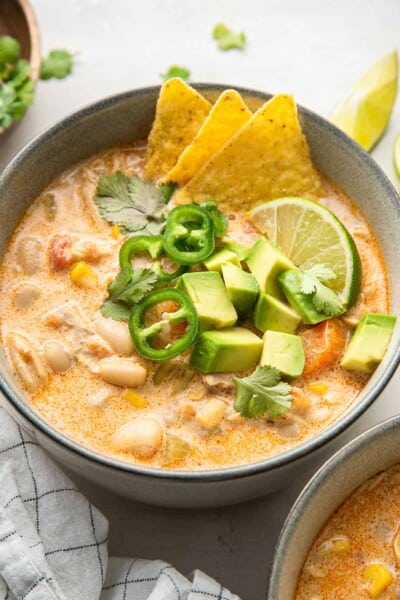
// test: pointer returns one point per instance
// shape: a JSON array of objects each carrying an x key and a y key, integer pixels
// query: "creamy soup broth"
[
  {"x": 45, "y": 314},
  {"x": 357, "y": 553}
]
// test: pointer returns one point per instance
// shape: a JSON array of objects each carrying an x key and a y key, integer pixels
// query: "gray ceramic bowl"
[
  {"x": 368, "y": 454},
  {"x": 127, "y": 117}
]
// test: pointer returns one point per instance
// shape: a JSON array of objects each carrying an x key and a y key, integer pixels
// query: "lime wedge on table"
[
  {"x": 365, "y": 113},
  {"x": 396, "y": 154},
  {"x": 310, "y": 234}
]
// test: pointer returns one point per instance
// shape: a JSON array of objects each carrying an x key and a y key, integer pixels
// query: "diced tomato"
[{"x": 60, "y": 255}]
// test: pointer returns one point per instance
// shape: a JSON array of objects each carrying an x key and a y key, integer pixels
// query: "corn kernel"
[
  {"x": 318, "y": 388},
  {"x": 115, "y": 232},
  {"x": 81, "y": 274},
  {"x": 378, "y": 578},
  {"x": 134, "y": 398},
  {"x": 337, "y": 546}
]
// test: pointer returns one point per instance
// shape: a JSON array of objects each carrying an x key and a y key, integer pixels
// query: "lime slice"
[
  {"x": 310, "y": 234},
  {"x": 365, "y": 113},
  {"x": 396, "y": 154}
]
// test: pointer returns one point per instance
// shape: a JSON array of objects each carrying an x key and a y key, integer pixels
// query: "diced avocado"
[
  {"x": 242, "y": 288},
  {"x": 238, "y": 249},
  {"x": 369, "y": 342},
  {"x": 283, "y": 351},
  {"x": 290, "y": 282},
  {"x": 271, "y": 313},
  {"x": 210, "y": 298},
  {"x": 222, "y": 257},
  {"x": 234, "y": 349},
  {"x": 266, "y": 262}
]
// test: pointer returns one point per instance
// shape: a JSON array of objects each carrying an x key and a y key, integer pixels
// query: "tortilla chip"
[
  {"x": 179, "y": 114},
  {"x": 267, "y": 158},
  {"x": 227, "y": 115}
]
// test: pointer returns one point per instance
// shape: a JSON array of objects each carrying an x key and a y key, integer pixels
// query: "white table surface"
[{"x": 314, "y": 49}]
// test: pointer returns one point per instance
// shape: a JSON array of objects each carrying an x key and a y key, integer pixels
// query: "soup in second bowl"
[{"x": 357, "y": 552}]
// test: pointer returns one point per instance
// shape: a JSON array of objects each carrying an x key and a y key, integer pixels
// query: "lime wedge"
[
  {"x": 396, "y": 154},
  {"x": 310, "y": 234},
  {"x": 365, "y": 113}
]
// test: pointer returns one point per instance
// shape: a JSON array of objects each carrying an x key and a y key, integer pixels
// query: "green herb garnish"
[
  {"x": 136, "y": 206},
  {"x": 323, "y": 298},
  {"x": 57, "y": 64},
  {"x": 262, "y": 392},
  {"x": 127, "y": 289},
  {"x": 9, "y": 51},
  {"x": 176, "y": 71},
  {"x": 16, "y": 87},
  {"x": 226, "y": 39},
  {"x": 219, "y": 219}
]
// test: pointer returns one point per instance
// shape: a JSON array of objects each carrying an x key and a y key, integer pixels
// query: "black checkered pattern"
[{"x": 53, "y": 542}]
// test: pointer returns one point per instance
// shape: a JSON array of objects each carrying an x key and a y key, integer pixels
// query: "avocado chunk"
[
  {"x": 266, "y": 262},
  {"x": 242, "y": 288},
  {"x": 233, "y": 349},
  {"x": 271, "y": 313},
  {"x": 238, "y": 249},
  {"x": 291, "y": 282},
  {"x": 283, "y": 351},
  {"x": 222, "y": 257},
  {"x": 210, "y": 298},
  {"x": 369, "y": 342}
]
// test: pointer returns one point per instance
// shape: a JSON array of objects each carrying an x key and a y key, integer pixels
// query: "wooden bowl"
[{"x": 18, "y": 20}]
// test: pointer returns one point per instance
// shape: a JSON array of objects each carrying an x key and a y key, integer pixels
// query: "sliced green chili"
[
  {"x": 142, "y": 335},
  {"x": 154, "y": 246},
  {"x": 189, "y": 235}
]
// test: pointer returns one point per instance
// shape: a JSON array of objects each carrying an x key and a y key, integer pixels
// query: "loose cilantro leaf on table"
[
  {"x": 219, "y": 219},
  {"x": 127, "y": 289},
  {"x": 262, "y": 392},
  {"x": 57, "y": 64},
  {"x": 323, "y": 298},
  {"x": 226, "y": 39},
  {"x": 176, "y": 71},
  {"x": 136, "y": 206}
]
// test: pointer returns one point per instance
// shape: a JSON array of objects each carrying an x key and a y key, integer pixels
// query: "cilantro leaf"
[
  {"x": 176, "y": 71},
  {"x": 327, "y": 302},
  {"x": 57, "y": 64},
  {"x": 127, "y": 289},
  {"x": 219, "y": 219},
  {"x": 262, "y": 392},
  {"x": 130, "y": 286},
  {"x": 226, "y": 39},
  {"x": 115, "y": 310},
  {"x": 136, "y": 206},
  {"x": 9, "y": 50},
  {"x": 323, "y": 298}
]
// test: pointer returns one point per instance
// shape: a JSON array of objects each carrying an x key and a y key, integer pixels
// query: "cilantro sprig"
[
  {"x": 16, "y": 87},
  {"x": 176, "y": 71},
  {"x": 324, "y": 299},
  {"x": 127, "y": 289},
  {"x": 226, "y": 39},
  {"x": 136, "y": 206},
  {"x": 262, "y": 392},
  {"x": 58, "y": 64},
  {"x": 219, "y": 219}
]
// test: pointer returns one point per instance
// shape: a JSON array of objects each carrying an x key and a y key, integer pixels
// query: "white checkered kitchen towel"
[{"x": 53, "y": 542}]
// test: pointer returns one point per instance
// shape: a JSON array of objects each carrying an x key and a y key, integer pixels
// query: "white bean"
[
  {"x": 26, "y": 294},
  {"x": 30, "y": 255},
  {"x": 58, "y": 358},
  {"x": 122, "y": 372},
  {"x": 211, "y": 414},
  {"x": 143, "y": 436},
  {"x": 116, "y": 334}
]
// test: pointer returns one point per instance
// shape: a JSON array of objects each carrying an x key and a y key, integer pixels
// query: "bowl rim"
[
  {"x": 225, "y": 473},
  {"x": 314, "y": 485}
]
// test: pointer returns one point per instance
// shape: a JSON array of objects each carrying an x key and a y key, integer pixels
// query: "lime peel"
[
  {"x": 310, "y": 234},
  {"x": 365, "y": 113}
]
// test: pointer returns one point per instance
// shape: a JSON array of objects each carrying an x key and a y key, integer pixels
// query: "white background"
[{"x": 315, "y": 49}]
